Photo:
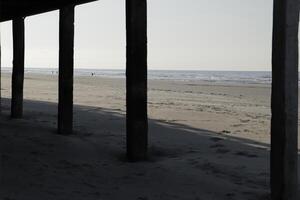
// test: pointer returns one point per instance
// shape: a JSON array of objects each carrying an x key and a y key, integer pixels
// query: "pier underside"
[{"x": 10, "y": 9}]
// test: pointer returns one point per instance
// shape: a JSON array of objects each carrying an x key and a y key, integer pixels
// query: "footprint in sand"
[
  {"x": 230, "y": 195},
  {"x": 226, "y": 132},
  {"x": 8, "y": 198},
  {"x": 237, "y": 125},
  {"x": 222, "y": 151},
  {"x": 140, "y": 174},
  {"x": 216, "y": 139},
  {"x": 220, "y": 147},
  {"x": 216, "y": 145},
  {"x": 208, "y": 168},
  {"x": 89, "y": 184},
  {"x": 193, "y": 161},
  {"x": 246, "y": 154},
  {"x": 244, "y": 120}
]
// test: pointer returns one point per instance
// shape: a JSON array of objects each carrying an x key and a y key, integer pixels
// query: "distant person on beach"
[{"x": 93, "y": 74}]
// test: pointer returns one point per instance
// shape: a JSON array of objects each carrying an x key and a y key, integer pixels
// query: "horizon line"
[{"x": 150, "y": 69}]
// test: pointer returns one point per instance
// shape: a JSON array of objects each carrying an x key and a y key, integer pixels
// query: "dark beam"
[
  {"x": 66, "y": 70},
  {"x": 18, "y": 68},
  {"x": 136, "y": 79},
  {"x": 10, "y": 9},
  {"x": 284, "y": 123}
]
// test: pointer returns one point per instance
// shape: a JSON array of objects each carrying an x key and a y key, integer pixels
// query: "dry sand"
[{"x": 207, "y": 141}]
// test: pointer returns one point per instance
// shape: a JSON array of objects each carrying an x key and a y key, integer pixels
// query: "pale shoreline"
[{"x": 207, "y": 141}]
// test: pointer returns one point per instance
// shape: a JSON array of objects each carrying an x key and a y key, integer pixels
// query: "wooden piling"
[
  {"x": 0, "y": 74},
  {"x": 284, "y": 123},
  {"x": 66, "y": 68},
  {"x": 18, "y": 68},
  {"x": 136, "y": 79}
]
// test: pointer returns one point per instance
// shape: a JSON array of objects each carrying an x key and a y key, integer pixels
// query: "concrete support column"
[
  {"x": 18, "y": 68},
  {"x": 136, "y": 79},
  {"x": 284, "y": 124},
  {"x": 66, "y": 70}
]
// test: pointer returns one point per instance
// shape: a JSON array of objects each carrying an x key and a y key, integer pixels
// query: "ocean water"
[{"x": 239, "y": 77}]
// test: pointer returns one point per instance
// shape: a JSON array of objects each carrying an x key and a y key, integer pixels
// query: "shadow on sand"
[{"x": 184, "y": 162}]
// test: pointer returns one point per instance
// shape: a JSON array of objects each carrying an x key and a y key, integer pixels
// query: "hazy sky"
[{"x": 182, "y": 34}]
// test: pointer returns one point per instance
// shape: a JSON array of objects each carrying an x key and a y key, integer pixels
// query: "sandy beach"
[{"x": 206, "y": 141}]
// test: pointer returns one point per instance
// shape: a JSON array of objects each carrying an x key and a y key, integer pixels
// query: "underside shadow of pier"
[{"x": 184, "y": 162}]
